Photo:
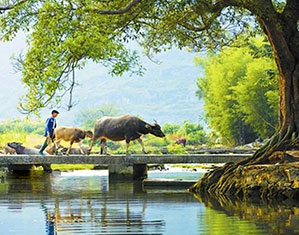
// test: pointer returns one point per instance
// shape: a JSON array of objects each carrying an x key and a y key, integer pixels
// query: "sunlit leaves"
[
  {"x": 240, "y": 90},
  {"x": 64, "y": 35}
]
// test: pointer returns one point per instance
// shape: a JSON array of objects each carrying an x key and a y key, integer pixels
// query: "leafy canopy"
[
  {"x": 240, "y": 90},
  {"x": 64, "y": 34}
]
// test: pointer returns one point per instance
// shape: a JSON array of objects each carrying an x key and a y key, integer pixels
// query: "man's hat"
[{"x": 55, "y": 111}]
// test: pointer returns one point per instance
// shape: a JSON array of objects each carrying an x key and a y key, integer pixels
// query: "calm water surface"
[{"x": 84, "y": 202}]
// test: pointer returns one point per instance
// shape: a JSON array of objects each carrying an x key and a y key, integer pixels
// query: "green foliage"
[
  {"x": 22, "y": 126},
  {"x": 12, "y": 136},
  {"x": 19, "y": 130},
  {"x": 64, "y": 35},
  {"x": 194, "y": 133},
  {"x": 240, "y": 90},
  {"x": 176, "y": 149},
  {"x": 86, "y": 118},
  {"x": 170, "y": 128},
  {"x": 71, "y": 167},
  {"x": 153, "y": 141}
]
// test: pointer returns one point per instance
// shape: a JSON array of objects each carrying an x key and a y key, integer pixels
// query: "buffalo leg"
[
  {"x": 103, "y": 146},
  {"x": 142, "y": 145},
  {"x": 81, "y": 150},
  {"x": 128, "y": 144},
  {"x": 56, "y": 146},
  {"x": 93, "y": 140},
  {"x": 68, "y": 151}
]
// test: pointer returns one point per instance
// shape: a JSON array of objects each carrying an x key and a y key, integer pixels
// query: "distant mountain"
[{"x": 166, "y": 92}]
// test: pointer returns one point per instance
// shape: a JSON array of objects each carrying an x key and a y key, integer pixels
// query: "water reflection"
[
  {"x": 273, "y": 218},
  {"x": 89, "y": 205},
  {"x": 86, "y": 203}
]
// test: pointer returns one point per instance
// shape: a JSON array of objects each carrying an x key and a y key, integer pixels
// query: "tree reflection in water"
[
  {"x": 275, "y": 217},
  {"x": 71, "y": 204}
]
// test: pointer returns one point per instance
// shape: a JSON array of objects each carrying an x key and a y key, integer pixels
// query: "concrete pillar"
[
  {"x": 127, "y": 172},
  {"x": 139, "y": 171}
]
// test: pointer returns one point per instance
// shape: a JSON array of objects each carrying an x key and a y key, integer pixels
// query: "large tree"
[{"x": 63, "y": 34}]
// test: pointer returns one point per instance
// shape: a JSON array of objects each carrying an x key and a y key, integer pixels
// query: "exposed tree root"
[{"x": 225, "y": 180}]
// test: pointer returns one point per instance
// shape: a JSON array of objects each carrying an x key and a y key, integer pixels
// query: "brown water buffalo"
[
  {"x": 72, "y": 135},
  {"x": 126, "y": 128},
  {"x": 51, "y": 149}
]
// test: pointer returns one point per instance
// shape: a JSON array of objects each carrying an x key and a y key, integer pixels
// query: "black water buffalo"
[
  {"x": 20, "y": 149},
  {"x": 126, "y": 128},
  {"x": 8, "y": 150}
]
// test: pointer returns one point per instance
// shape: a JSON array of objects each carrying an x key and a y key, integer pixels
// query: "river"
[{"x": 85, "y": 202}]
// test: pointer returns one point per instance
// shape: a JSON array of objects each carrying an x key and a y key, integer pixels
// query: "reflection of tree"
[
  {"x": 282, "y": 218},
  {"x": 33, "y": 182},
  {"x": 24, "y": 183}
]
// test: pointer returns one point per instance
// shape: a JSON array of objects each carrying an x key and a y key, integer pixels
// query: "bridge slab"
[
  {"x": 131, "y": 167},
  {"x": 121, "y": 159}
]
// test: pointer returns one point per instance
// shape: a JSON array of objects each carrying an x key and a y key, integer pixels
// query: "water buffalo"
[
  {"x": 76, "y": 151},
  {"x": 8, "y": 150},
  {"x": 126, "y": 128},
  {"x": 72, "y": 135},
  {"x": 20, "y": 149}
]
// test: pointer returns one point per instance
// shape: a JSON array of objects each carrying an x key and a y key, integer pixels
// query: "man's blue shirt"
[{"x": 50, "y": 126}]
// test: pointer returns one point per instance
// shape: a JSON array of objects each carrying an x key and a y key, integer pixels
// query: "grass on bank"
[
  {"x": 191, "y": 166},
  {"x": 71, "y": 167}
]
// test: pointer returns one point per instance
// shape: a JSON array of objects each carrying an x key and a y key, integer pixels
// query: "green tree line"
[{"x": 240, "y": 91}]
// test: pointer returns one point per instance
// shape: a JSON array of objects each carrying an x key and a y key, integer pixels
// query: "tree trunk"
[{"x": 284, "y": 39}]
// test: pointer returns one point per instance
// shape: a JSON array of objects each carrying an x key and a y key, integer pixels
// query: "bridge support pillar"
[{"x": 127, "y": 172}]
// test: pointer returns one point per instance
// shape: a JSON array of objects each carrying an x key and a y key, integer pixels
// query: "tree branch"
[
  {"x": 215, "y": 10},
  {"x": 126, "y": 9},
  {"x": 70, "y": 105},
  {"x": 12, "y": 6}
]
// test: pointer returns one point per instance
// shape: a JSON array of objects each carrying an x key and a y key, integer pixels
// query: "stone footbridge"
[{"x": 128, "y": 166}]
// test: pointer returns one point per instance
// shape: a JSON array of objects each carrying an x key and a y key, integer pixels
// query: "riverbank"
[
  {"x": 275, "y": 181},
  {"x": 72, "y": 167}
]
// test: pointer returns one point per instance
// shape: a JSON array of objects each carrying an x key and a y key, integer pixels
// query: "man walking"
[{"x": 49, "y": 131}]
